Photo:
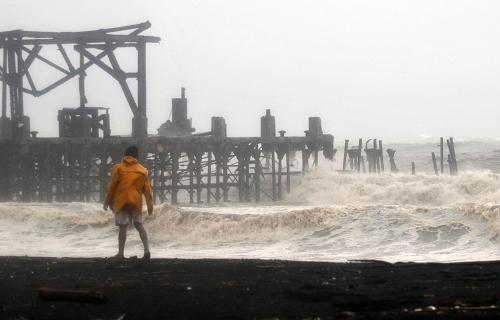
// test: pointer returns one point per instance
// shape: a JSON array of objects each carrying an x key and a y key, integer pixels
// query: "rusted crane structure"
[{"x": 183, "y": 165}]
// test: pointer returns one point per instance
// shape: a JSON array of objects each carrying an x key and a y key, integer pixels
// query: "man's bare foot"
[
  {"x": 118, "y": 256},
  {"x": 147, "y": 255}
]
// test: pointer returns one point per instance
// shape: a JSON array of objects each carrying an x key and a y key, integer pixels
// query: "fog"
[{"x": 395, "y": 69}]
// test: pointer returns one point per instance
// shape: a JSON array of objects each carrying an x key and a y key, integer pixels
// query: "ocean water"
[{"x": 329, "y": 216}]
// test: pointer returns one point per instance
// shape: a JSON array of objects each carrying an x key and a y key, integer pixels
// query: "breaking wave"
[
  {"x": 340, "y": 217},
  {"x": 330, "y": 187}
]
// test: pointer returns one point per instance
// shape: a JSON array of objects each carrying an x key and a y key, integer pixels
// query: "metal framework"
[{"x": 20, "y": 49}]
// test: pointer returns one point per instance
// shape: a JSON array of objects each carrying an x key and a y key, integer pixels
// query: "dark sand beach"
[{"x": 249, "y": 289}]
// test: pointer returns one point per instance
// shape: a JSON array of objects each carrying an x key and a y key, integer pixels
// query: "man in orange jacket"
[{"x": 129, "y": 181}]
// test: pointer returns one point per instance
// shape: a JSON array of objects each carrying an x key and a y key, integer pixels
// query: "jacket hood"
[{"x": 129, "y": 160}]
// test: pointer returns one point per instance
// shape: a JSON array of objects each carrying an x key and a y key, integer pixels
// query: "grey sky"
[{"x": 394, "y": 69}]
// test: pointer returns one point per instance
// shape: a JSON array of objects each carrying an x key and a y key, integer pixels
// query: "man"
[{"x": 129, "y": 181}]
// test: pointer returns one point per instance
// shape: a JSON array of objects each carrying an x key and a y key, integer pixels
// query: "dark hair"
[{"x": 132, "y": 151}]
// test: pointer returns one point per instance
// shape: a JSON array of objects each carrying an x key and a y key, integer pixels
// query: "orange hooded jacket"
[{"x": 129, "y": 181}]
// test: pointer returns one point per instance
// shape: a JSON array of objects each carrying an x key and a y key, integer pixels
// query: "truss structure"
[{"x": 20, "y": 49}]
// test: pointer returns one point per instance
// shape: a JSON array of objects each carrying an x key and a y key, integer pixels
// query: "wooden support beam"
[
  {"x": 45, "y": 60},
  {"x": 381, "y": 155},
  {"x": 288, "y": 182},
  {"x": 209, "y": 175},
  {"x": 360, "y": 155},
  {"x": 441, "y": 153},
  {"x": 141, "y": 79},
  {"x": 122, "y": 80},
  {"x": 199, "y": 155},
  {"x": 273, "y": 177},
  {"x": 280, "y": 177},
  {"x": 175, "y": 176},
  {"x": 346, "y": 148},
  {"x": 434, "y": 164},
  {"x": 257, "y": 174},
  {"x": 4, "y": 84},
  {"x": 65, "y": 57}
]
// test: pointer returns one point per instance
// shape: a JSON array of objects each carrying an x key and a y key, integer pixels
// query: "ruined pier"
[{"x": 183, "y": 166}]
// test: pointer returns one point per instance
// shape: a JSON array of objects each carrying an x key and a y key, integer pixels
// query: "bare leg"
[
  {"x": 122, "y": 237},
  {"x": 143, "y": 235}
]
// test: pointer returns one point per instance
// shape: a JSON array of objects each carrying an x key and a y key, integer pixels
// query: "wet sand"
[{"x": 249, "y": 289}]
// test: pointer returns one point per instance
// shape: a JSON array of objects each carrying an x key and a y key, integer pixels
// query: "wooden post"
[
  {"x": 247, "y": 175},
  {"x": 376, "y": 158},
  {"x": 273, "y": 173},
  {"x": 434, "y": 163},
  {"x": 175, "y": 176},
  {"x": 258, "y": 172},
  {"x": 209, "y": 176},
  {"x": 453, "y": 156},
  {"x": 81, "y": 81},
  {"x": 241, "y": 174},
  {"x": 224, "y": 177},
  {"x": 450, "y": 165},
  {"x": 413, "y": 172},
  {"x": 346, "y": 147},
  {"x": 288, "y": 184},
  {"x": 280, "y": 164},
  {"x": 191, "y": 177},
  {"x": 305, "y": 160},
  {"x": 441, "y": 153},
  {"x": 381, "y": 155},
  {"x": 217, "y": 177},
  {"x": 4, "y": 84},
  {"x": 199, "y": 155},
  {"x": 360, "y": 155}
]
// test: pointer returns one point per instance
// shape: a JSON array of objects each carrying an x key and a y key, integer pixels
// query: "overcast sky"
[{"x": 392, "y": 69}]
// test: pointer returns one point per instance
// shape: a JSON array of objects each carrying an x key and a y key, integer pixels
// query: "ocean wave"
[{"x": 328, "y": 187}]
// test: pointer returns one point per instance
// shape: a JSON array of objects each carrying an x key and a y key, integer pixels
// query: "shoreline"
[{"x": 249, "y": 289}]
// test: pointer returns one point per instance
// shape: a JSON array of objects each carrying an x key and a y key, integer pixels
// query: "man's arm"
[
  {"x": 148, "y": 193},
  {"x": 112, "y": 188}
]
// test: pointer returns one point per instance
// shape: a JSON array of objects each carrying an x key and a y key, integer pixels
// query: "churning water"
[{"x": 328, "y": 217}]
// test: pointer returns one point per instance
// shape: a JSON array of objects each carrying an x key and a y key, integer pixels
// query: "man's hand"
[
  {"x": 150, "y": 211},
  {"x": 105, "y": 207}
]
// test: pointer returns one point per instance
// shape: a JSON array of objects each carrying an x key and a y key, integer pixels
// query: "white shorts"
[{"x": 123, "y": 218}]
